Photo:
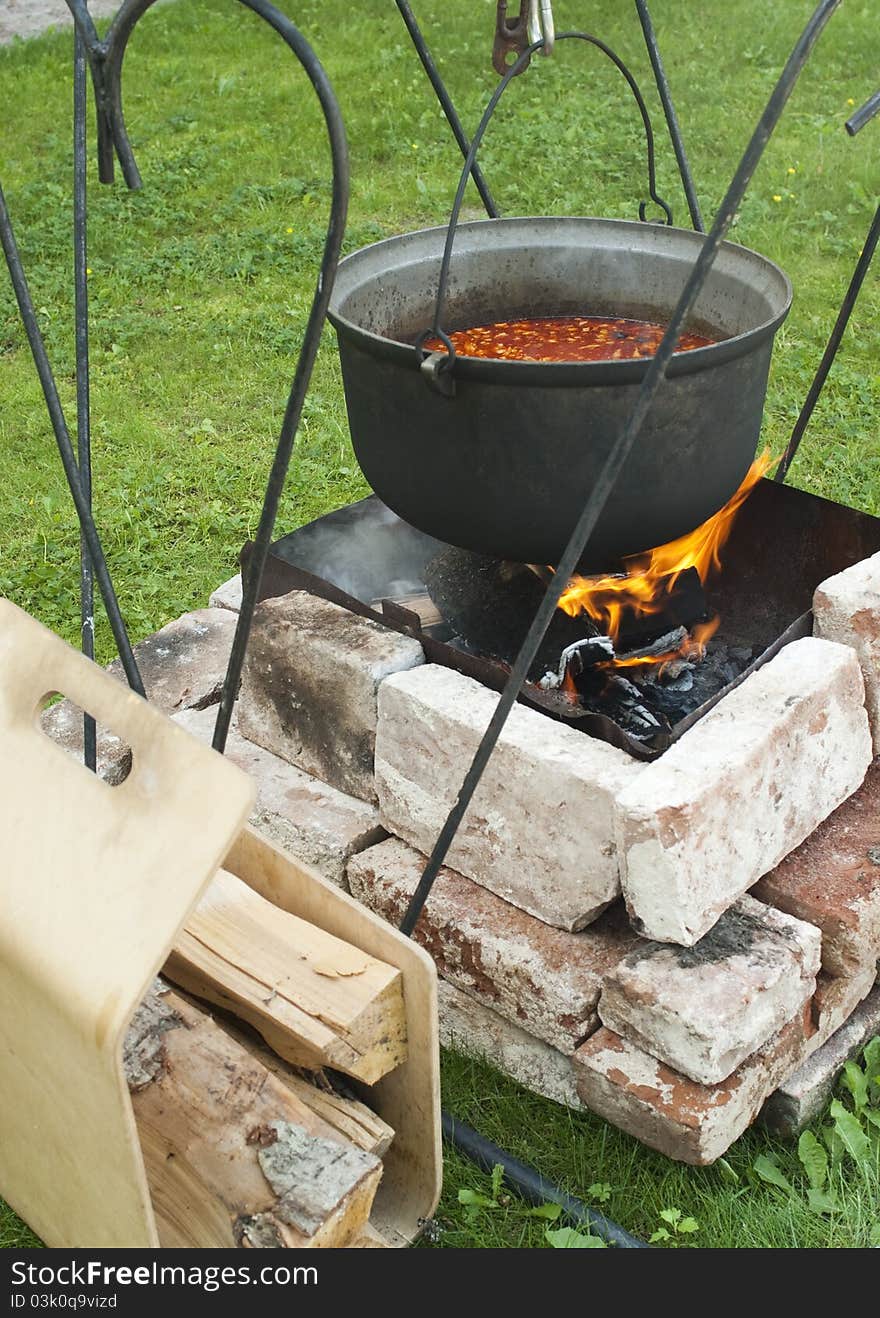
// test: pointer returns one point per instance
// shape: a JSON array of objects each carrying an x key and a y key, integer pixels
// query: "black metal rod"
[
  {"x": 446, "y": 104},
  {"x": 620, "y": 451},
  {"x": 95, "y": 52},
  {"x": 106, "y": 61},
  {"x": 849, "y": 301},
  {"x": 665, "y": 93},
  {"x": 65, "y": 447},
  {"x": 81, "y": 316},
  {"x": 865, "y": 113},
  {"x": 308, "y": 352},
  {"x": 532, "y": 1186}
]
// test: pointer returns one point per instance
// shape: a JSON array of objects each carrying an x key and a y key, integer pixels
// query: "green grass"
[
  {"x": 200, "y": 285},
  {"x": 578, "y": 1151}
]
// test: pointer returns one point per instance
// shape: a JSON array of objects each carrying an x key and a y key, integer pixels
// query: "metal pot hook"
[{"x": 533, "y": 24}]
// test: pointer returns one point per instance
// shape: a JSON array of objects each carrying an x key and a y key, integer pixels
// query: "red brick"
[
  {"x": 543, "y": 979},
  {"x": 833, "y": 881},
  {"x": 688, "y": 1122}
]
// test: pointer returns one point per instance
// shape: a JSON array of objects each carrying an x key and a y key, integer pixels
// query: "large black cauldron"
[{"x": 505, "y": 465}]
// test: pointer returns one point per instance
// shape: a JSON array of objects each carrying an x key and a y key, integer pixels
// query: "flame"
[
  {"x": 645, "y": 586},
  {"x": 569, "y": 686}
]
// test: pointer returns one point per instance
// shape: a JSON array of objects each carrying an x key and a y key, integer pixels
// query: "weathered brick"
[
  {"x": 686, "y": 1121},
  {"x": 833, "y": 881},
  {"x": 182, "y": 666},
  {"x": 834, "y": 1002},
  {"x": 846, "y": 608},
  {"x": 546, "y": 980},
  {"x": 804, "y": 1094},
  {"x": 704, "y": 1009},
  {"x": 470, "y": 1027},
  {"x": 743, "y": 787},
  {"x": 227, "y": 596},
  {"x": 539, "y": 830},
  {"x": 309, "y": 686},
  {"x": 312, "y": 821}
]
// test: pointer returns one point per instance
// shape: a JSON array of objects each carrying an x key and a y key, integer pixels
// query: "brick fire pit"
[{"x": 593, "y": 932}]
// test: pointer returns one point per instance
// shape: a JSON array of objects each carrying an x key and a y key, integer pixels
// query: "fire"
[
  {"x": 649, "y": 577},
  {"x": 569, "y": 686},
  {"x": 692, "y": 647}
]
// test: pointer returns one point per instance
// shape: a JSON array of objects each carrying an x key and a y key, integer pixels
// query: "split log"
[
  {"x": 351, "y": 1119},
  {"x": 233, "y": 1157},
  {"x": 316, "y": 1000},
  {"x": 422, "y": 605}
]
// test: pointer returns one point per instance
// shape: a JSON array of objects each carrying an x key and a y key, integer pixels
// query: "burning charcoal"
[
  {"x": 644, "y": 716},
  {"x": 578, "y": 656},
  {"x": 683, "y": 682},
  {"x": 741, "y": 655},
  {"x": 675, "y": 669},
  {"x": 666, "y": 644},
  {"x": 625, "y": 688}
]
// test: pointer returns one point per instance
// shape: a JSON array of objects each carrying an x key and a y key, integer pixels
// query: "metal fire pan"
[{"x": 783, "y": 544}]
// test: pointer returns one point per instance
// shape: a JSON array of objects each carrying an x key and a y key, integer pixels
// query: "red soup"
[{"x": 565, "y": 339}]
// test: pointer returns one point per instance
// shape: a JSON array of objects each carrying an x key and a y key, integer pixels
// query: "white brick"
[
  {"x": 182, "y": 666},
  {"x": 469, "y": 1027},
  {"x": 228, "y": 596},
  {"x": 309, "y": 686},
  {"x": 668, "y": 1112},
  {"x": 846, "y": 608},
  {"x": 834, "y": 1002},
  {"x": 704, "y": 1009},
  {"x": 312, "y": 821},
  {"x": 743, "y": 787},
  {"x": 539, "y": 830}
]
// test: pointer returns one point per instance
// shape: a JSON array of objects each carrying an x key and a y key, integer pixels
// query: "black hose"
[{"x": 532, "y": 1186}]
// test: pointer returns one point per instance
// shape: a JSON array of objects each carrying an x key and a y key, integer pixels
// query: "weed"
[
  {"x": 477, "y": 1202},
  {"x": 676, "y": 1226},
  {"x": 852, "y": 1133}
]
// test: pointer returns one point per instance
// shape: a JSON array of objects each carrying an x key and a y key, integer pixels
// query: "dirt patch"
[{"x": 28, "y": 18}]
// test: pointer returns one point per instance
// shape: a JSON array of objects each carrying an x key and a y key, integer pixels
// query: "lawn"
[{"x": 200, "y": 286}]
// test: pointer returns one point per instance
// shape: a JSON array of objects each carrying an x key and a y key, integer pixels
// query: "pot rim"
[{"x": 502, "y": 370}]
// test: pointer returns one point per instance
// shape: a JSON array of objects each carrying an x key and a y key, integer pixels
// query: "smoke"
[{"x": 365, "y": 550}]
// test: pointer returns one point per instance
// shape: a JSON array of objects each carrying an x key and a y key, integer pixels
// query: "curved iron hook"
[
  {"x": 438, "y": 366},
  {"x": 105, "y": 61}
]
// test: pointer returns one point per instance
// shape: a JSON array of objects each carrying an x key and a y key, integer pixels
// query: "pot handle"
[{"x": 436, "y": 364}]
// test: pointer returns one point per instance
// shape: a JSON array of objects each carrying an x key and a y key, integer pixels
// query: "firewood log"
[
  {"x": 232, "y": 1156},
  {"x": 351, "y": 1119},
  {"x": 316, "y": 1000}
]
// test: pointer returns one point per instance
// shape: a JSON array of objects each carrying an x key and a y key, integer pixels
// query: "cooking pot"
[{"x": 503, "y": 459}]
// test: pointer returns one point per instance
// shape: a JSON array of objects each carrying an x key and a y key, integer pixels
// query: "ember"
[{"x": 565, "y": 339}]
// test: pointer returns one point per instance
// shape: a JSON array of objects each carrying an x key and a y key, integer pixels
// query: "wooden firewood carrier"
[{"x": 90, "y": 906}]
